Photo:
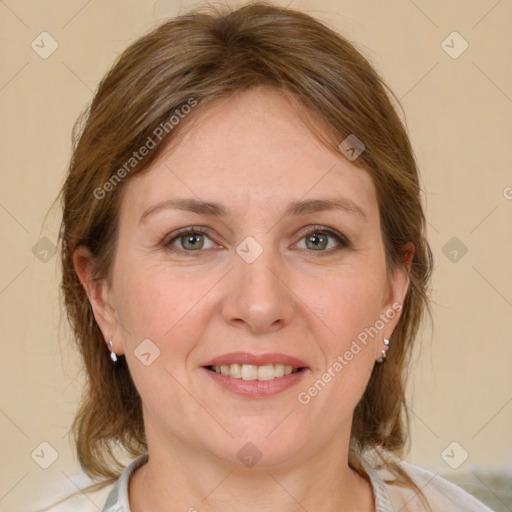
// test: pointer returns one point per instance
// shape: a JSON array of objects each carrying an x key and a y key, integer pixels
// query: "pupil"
[
  {"x": 322, "y": 239},
  {"x": 191, "y": 239}
]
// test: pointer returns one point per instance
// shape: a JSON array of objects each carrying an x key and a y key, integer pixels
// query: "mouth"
[
  {"x": 254, "y": 372},
  {"x": 256, "y": 376}
]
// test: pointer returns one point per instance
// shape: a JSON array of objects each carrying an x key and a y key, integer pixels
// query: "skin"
[{"x": 254, "y": 154}]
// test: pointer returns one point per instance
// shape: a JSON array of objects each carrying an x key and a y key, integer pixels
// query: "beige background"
[{"x": 459, "y": 114}]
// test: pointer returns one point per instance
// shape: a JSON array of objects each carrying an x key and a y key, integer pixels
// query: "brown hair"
[{"x": 209, "y": 54}]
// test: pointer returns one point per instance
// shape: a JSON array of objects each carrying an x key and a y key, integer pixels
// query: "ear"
[
  {"x": 98, "y": 292},
  {"x": 396, "y": 290}
]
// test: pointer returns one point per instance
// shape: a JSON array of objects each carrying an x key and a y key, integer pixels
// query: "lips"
[
  {"x": 247, "y": 358},
  {"x": 256, "y": 376}
]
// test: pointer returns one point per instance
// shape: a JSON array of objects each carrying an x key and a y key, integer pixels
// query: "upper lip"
[{"x": 258, "y": 360}]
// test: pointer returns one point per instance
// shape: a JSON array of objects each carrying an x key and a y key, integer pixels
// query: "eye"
[
  {"x": 189, "y": 239},
  {"x": 192, "y": 239},
  {"x": 317, "y": 239}
]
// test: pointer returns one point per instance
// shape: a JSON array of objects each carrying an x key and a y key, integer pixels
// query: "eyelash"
[{"x": 193, "y": 230}]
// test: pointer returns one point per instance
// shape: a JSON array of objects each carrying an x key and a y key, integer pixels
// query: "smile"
[
  {"x": 254, "y": 381},
  {"x": 254, "y": 372}
]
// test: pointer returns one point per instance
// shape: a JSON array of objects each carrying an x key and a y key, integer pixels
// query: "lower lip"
[{"x": 257, "y": 388}]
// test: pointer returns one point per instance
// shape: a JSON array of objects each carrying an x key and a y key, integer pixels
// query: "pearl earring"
[
  {"x": 113, "y": 355},
  {"x": 382, "y": 357}
]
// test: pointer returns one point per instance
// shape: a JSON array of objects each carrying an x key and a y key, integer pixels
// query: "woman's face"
[{"x": 266, "y": 282}]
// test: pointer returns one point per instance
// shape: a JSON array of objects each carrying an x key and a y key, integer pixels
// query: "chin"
[{"x": 259, "y": 448}]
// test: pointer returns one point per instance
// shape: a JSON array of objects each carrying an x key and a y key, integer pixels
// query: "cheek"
[
  {"x": 349, "y": 306},
  {"x": 348, "y": 356},
  {"x": 165, "y": 308},
  {"x": 162, "y": 304},
  {"x": 348, "y": 303}
]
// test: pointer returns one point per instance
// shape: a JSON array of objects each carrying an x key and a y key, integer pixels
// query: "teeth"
[
  {"x": 235, "y": 370},
  {"x": 253, "y": 372}
]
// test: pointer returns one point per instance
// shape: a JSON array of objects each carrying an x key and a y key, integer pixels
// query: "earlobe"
[{"x": 96, "y": 290}]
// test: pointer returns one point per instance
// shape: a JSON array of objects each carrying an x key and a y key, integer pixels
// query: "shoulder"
[
  {"x": 111, "y": 498},
  {"x": 442, "y": 495},
  {"x": 83, "y": 502}
]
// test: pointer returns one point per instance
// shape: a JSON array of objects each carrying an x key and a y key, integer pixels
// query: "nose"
[{"x": 258, "y": 297}]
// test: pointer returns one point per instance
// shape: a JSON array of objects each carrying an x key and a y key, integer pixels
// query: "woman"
[{"x": 245, "y": 269}]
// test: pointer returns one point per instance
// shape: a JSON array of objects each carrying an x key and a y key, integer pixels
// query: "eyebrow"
[{"x": 300, "y": 207}]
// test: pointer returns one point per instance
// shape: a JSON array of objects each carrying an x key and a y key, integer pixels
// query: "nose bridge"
[{"x": 258, "y": 297}]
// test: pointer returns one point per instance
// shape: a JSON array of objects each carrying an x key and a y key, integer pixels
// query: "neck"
[{"x": 187, "y": 479}]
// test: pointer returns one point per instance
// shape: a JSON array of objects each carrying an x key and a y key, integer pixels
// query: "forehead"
[{"x": 251, "y": 149}]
